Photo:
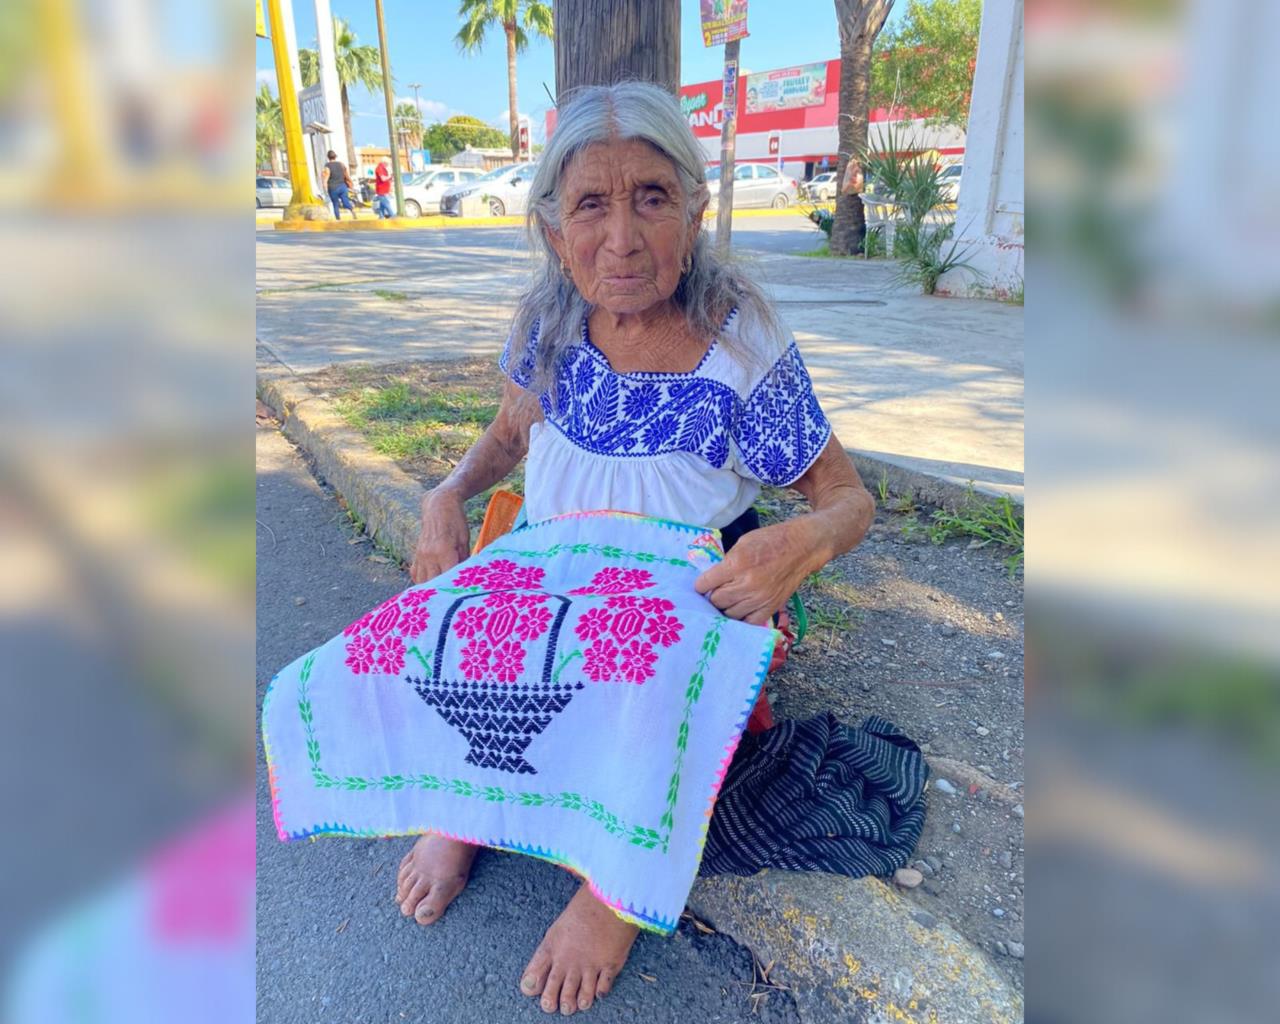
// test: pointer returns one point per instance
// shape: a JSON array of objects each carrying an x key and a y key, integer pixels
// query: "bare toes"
[
  {"x": 587, "y": 991},
  {"x": 416, "y": 889},
  {"x": 605, "y": 984},
  {"x": 534, "y": 978},
  {"x": 551, "y": 992},
  {"x": 569, "y": 992}
]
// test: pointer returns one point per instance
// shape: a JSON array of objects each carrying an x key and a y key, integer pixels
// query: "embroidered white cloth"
[
  {"x": 693, "y": 447},
  {"x": 565, "y": 693}
]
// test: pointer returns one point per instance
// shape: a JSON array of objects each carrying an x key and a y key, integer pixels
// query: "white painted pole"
[{"x": 329, "y": 86}]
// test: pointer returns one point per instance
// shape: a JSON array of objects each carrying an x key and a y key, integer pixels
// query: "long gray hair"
[{"x": 707, "y": 291}]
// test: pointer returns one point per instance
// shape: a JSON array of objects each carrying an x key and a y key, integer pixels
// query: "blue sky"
[{"x": 421, "y": 49}]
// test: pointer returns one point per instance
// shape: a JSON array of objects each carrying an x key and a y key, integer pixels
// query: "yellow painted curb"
[{"x": 398, "y": 223}]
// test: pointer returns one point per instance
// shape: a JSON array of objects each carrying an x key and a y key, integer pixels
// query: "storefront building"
[{"x": 788, "y": 117}]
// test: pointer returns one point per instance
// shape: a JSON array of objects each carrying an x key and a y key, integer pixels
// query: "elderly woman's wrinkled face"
[{"x": 624, "y": 226}]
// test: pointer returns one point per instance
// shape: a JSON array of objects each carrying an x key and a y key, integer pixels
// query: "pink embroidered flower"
[
  {"x": 501, "y": 574},
  {"x": 663, "y": 629},
  {"x": 413, "y": 598},
  {"x": 617, "y": 581},
  {"x": 468, "y": 622},
  {"x": 500, "y": 599},
  {"x": 359, "y": 624},
  {"x": 528, "y": 577},
  {"x": 530, "y": 600},
  {"x": 533, "y": 623},
  {"x": 593, "y": 622},
  {"x": 501, "y": 624},
  {"x": 627, "y": 624},
  {"x": 508, "y": 662},
  {"x": 391, "y": 655},
  {"x": 414, "y": 621},
  {"x": 472, "y": 576},
  {"x": 475, "y": 659},
  {"x": 360, "y": 654},
  {"x": 637, "y": 662},
  {"x": 385, "y": 616},
  {"x": 653, "y": 605},
  {"x": 624, "y": 601},
  {"x": 601, "y": 661}
]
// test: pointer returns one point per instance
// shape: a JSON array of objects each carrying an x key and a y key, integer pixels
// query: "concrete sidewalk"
[{"x": 928, "y": 385}]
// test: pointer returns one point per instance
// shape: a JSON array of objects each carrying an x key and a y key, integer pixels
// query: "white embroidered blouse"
[{"x": 693, "y": 447}]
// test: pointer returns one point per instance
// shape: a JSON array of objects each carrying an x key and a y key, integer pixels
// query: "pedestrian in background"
[
  {"x": 338, "y": 183},
  {"x": 382, "y": 179}
]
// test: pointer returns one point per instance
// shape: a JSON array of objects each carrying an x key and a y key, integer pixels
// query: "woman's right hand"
[{"x": 445, "y": 539}]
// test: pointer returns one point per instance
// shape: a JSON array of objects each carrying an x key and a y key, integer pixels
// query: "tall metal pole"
[
  {"x": 291, "y": 116},
  {"x": 391, "y": 124},
  {"x": 728, "y": 140},
  {"x": 331, "y": 88}
]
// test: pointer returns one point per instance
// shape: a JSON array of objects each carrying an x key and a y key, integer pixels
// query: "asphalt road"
[{"x": 332, "y": 945}]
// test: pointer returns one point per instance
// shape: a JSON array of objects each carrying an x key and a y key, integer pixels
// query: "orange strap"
[{"x": 499, "y": 518}]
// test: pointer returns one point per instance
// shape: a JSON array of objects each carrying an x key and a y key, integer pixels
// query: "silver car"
[
  {"x": 273, "y": 191},
  {"x": 755, "y": 185},
  {"x": 506, "y": 187},
  {"x": 821, "y": 187},
  {"x": 422, "y": 191}
]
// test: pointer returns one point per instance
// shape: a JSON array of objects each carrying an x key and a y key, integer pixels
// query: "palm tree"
[
  {"x": 269, "y": 128},
  {"x": 408, "y": 120},
  {"x": 356, "y": 65},
  {"x": 514, "y": 16}
]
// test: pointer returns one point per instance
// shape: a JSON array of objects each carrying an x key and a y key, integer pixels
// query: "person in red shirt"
[{"x": 382, "y": 188}]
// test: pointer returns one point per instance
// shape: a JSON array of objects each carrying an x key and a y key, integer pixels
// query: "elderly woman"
[{"x": 646, "y": 374}]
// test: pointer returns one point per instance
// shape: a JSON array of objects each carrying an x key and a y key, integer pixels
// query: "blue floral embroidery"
[{"x": 778, "y": 429}]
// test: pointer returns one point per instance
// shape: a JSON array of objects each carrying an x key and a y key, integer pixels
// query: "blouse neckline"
[{"x": 592, "y": 348}]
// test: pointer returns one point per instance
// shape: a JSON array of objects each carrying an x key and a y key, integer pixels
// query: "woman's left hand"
[{"x": 761, "y": 571}]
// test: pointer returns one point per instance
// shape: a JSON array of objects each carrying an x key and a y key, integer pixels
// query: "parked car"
[
  {"x": 507, "y": 188},
  {"x": 422, "y": 191},
  {"x": 755, "y": 185},
  {"x": 821, "y": 187},
  {"x": 273, "y": 191},
  {"x": 949, "y": 179}
]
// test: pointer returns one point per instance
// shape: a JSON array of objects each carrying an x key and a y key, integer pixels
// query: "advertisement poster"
[
  {"x": 787, "y": 88},
  {"x": 723, "y": 21}
]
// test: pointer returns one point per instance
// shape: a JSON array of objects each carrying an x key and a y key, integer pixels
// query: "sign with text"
[
  {"x": 311, "y": 104},
  {"x": 723, "y": 21},
  {"x": 787, "y": 88}
]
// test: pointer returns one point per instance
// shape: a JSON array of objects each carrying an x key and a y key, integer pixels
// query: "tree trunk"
[
  {"x": 860, "y": 22},
  {"x": 512, "y": 107},
  {"x": 275, "y": 160},
  {"x": 599, "y": 42},
  {"x": 346, "y": 124}
]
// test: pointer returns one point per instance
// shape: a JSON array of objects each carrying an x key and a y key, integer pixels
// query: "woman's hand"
[
  {"x": 445, "y": 539},
  {"x": 762, "y": 571}
]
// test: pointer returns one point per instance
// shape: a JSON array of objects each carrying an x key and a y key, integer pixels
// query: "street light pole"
[
  {"x": 391, "y": 122},
  {"x": 301, "y": 206}
]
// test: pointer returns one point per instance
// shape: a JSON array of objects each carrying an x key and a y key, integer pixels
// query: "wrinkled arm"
[
  {"x": 768, "y": 565},
  {"x": 445, "y": 539}
]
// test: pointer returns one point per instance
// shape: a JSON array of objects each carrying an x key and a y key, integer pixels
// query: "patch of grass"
[
  {"x": 390, "y": 296},
  {"x": 404, "y": 423},
  {"x": 1016, "y": 296},
  {"x": 882, "y": 487},
  {"x": 823, "y": 252},
  {"x": 998, "y": 522}
]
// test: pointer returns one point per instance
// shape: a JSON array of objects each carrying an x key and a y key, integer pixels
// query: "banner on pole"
[
  {"x": 787, "y": 88},
  {"x": 723, "y": 21}
]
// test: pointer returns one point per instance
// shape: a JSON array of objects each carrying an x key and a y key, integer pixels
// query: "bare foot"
[
  {"x": 579, "y": 956},
  {"x": 431, "y": 875}
]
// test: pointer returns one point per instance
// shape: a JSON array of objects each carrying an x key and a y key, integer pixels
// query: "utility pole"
[
  {"x": 599, "y": 42},
  {"x": 330, "y": 88},
  {"x": 301, "y": 206},
  {"x": 391, "y": 123},
  {"x": 728, "y": 143}
]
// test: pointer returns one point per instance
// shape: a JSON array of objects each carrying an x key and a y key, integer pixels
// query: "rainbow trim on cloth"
[{"x": 565, "y": 694}]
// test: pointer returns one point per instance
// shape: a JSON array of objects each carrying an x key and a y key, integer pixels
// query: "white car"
[
  {"x": 821, "y": 187},
  {"x": 422, "y": 191},
  {"x": 506, "y": 188},
  {"x": 949, "y": 179},
  {"x": 273, "y": 191},
  {"x": 755, "y": 185}
]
